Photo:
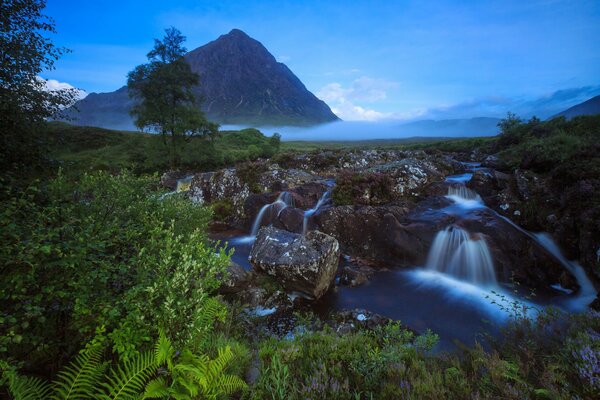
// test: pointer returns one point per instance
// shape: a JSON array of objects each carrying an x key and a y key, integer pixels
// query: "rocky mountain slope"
[
  {"x": 588, "y": 107},
  {"x": 240, "y": 83}
]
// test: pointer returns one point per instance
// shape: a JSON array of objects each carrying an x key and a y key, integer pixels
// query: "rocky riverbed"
[{"x": 383, "y": 230}]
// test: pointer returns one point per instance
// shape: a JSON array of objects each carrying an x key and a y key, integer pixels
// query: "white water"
[
  {"x": 183, "y": 185},
  {"x": 325, "y": 199},
  {"x": 464, "y": 197},
  {"x": 587, "y": 292},
  {"x": 283, "y": 201},
  {"x": 465, "y": 256}
]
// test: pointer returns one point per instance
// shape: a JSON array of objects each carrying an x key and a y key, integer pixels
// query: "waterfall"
[
  {"x": 463, "y": 255},
  {"x": 283, "y": 201},
  {"x": 587, "y": 293},
  {"x": 184, "y": 184},
  {"x": 325, "y": 199},
  {"x": 460, "y": 192}
]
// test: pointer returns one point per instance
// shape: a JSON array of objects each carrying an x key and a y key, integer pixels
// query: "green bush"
[{"x": 101, "y": 251}]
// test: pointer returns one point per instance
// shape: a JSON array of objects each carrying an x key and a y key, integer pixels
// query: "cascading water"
[
  {"x": 324, "y": 200},
  {"x": 587, "y": 292},
  {"x": 283, "y": 201},
  {"x": 463, "y": 255},
  {"x": 184, "y": 184}
]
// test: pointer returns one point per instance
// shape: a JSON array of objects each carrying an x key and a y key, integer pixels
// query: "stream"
[{"x": 455, "y": 294}]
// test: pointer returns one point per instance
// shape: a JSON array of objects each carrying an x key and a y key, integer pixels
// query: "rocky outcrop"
[
  {"x": 169, "y": 179},
  {"x": 306, "y": 264},
  {"x": 225, "y": 184}
]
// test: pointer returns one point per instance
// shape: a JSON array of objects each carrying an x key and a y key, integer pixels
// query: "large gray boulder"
[{"x": 306, "y": 264}]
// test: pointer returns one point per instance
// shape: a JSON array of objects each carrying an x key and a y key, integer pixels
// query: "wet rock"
[
  {"x": 355, "y": 275},
  {"x": 516, "y": 255},
  {"x": 290, "y": 219},
  {"x": 359, "y": 318},
  {"x": 306, "y": 264},
  {"x": 392, "y": 234},
  {"x": 236, "y": 279},
  {"x": 307, "y": 195}
]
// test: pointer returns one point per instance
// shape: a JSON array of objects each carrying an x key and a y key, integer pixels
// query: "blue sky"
[{"x": 369, "y": 60}]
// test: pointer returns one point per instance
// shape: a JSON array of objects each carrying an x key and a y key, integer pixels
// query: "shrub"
[{"x": 104, "y": 250}]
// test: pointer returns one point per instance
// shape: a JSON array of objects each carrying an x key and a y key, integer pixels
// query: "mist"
[{"x": 390, "y": 129}]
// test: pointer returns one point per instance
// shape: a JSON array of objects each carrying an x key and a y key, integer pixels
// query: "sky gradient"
[{"x": 369, "y": 60}]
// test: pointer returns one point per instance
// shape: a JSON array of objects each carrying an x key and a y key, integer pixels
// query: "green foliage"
[
  {"x": 541, "y": 146},
  {"x": 249, "y": 173},
  {"x": 163, "y": 88},
  {"x": 188, "y": 376},
  {"x": 79, "y": 379},
  {"x": 222, "y": 209},
  {"x": 26, "y": 52},
  {"x": 101, "y": 251},
  {"x": 80, "y": 149}
]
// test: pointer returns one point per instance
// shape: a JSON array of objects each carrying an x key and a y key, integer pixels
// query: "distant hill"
[
  {"x": 240, "y": 83},
  {"x": 588, "y": 107}
]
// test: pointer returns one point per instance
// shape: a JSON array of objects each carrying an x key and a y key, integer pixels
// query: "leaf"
[
  {"x": 128, "y": 380},
  {"x": 28, "y": 388},
  {"x": 80, "y": 378}
]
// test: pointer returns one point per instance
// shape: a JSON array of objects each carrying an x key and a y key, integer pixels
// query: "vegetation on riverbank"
[{"x": 88, "y": 148}]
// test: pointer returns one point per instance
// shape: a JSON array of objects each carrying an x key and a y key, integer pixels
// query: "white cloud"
[
  {"x": 343, "y": 100},
  {"x": 284, "y": 58},
  {"x": 53, "y": 85}
]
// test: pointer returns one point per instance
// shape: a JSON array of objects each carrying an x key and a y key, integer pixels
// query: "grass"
[{"x": 79, "y": 149}]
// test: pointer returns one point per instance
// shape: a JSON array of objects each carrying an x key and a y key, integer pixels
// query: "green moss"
[
  {"x": 249, "y": 173},
  {"x": 222, "y": 209}
]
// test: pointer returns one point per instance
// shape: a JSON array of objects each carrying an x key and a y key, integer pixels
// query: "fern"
[
  {"x": 28, "y": 388},
  {"x": 80, "y": 378},
  {"x": 128, "y": 380},
  {"x": 164, "y": 351},
  {"x": 157, "y": 389}
]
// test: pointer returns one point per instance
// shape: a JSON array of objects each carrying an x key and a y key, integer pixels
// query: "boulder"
[
  {"x": 236, "y": 279},
  {"x": 307, "y": 264},
  {"x": 277, "y": 179},
  {"x": 221, "y": 185},
  {"x": 169, "y": 179}
]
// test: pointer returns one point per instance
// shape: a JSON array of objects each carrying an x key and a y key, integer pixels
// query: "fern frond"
[
  {"x": 212, "y": 309},
  {"x": 157, "y": 389},
  {"x": 128, "y": 379},
  {"x": 224, "y": 357},
  {"x": 28, "y": 388},
  {"x": 164, "y": 351},
  {"x": 229, "y": 384},
  {"x": 80, "y": 378}
]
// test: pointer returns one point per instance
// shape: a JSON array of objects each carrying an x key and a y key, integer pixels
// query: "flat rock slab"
[{"x": 306, "y": 264}]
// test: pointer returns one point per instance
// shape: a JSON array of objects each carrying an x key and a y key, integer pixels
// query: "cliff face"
[{"x": 240, "y": 83}]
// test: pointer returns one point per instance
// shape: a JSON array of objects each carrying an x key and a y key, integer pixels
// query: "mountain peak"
[
  {"x": 237, "y": 33},
  {"x": 241, "y": 83}
]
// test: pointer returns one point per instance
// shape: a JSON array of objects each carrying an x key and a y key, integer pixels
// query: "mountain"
[
  {"x": 588, "y": 107},
  {"x": 240, "y": 83}
]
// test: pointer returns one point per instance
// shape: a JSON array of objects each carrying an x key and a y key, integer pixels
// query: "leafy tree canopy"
[
  {"x": 25, "y": 52},
  {"x": 167, "y": 104}
]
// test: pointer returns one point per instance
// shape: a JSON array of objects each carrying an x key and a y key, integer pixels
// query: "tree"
[
  {"x": 25, "y": 52},
  {"x": 166, "y": 103}
]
